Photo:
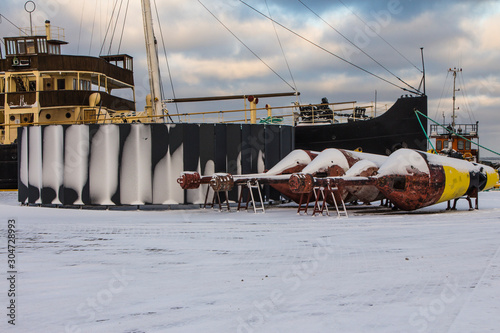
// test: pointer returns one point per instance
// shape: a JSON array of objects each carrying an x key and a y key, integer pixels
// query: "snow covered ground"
[{"x": 206, "y": 271}]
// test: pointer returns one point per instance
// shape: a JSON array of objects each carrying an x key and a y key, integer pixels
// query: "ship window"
[
  {"x": 54, "y": 49},
  {"x": 75, "y": 82},
  {"x": 460, "y": 145},
  {"x": 42, "y": 45},
  {"x": 21, "y": 46},
  {"x": 445, "y": 144},
  {"x": 467, "y": 145},
  {"x": 399, "y": 183},
  {"x": 61, "y": 84},
  {"x": 85, "y": 85},
  {"x": 30, "y": 46},
  {"x": 32, "y": 86},
  {"x": 439, "y": 144},
  {"x": 129, "y": 65},
  {"x": 11, "y": 47}
]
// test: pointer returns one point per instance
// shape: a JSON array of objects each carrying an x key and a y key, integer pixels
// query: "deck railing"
[{"x": 461, "y": 129}]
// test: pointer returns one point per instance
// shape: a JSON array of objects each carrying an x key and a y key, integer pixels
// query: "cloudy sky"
[{"x": 206, "y": 59}]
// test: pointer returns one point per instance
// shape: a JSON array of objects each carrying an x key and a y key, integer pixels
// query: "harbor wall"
[{"x": 138, "y": 164}]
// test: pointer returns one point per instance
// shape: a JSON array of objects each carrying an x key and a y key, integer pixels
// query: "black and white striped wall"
[{"x": 138, "y": 164}]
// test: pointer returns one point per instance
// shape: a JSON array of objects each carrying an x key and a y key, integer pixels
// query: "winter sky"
[{"x": 206, "y": 59}]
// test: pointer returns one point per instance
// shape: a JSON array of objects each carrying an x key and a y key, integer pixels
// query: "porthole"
[{"x": 48, "y": 116}]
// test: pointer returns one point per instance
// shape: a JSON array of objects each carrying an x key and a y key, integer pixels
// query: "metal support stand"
[
  {"x": 219, "y": 202},
  {"x": 250, "y": 186},
  {"x": 308, "y": 199},
  {"x": 321, "y": 194}
]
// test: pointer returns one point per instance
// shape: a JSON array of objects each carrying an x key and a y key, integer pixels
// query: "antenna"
[
  {"x": 455, "y": 71},
  {"x": 30, "y": 7}
]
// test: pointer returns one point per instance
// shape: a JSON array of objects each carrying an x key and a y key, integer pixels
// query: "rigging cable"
[
  {"x": 109, "y": 25},
  {"x": 282, "y": 51},
  {"x": 329, "y": 52},
  {"x": 93, "y": 25},
  {"x": 348, "y": 40},
  {"x": 466, "y": 100},
  {"x": 168, "y": 68},
  {"x": 21, "y": 30},
  {"x": 114, "y": 28},
  {"x": 234, "y": 35},
  {"x": 123, "y": 27},
  {"x": 442, "y": 93},
  {"x": 80, "y": 31},
  {"x": 455, "y": 133},
  {"x": 366, "y": 24}
]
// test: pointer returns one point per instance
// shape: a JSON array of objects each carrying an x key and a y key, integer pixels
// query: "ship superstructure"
[
  {"x": 456, "y": 139},
  {"x": 40, "y": 85}
]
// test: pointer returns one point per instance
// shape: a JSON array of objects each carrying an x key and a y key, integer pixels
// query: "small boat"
[{"x": 456, "y": 140}]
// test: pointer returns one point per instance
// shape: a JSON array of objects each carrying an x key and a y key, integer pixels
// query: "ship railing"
[
  {"x": 461, "y": 129},
  {"x": 56, "y": 33},
  {"x": 286, "y": 115},
  {"x": 290, "y": 115}
]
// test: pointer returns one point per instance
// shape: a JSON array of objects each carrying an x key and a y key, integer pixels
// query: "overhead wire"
[
  {"x": 442, "y": 93},
  {"x": 282, "y": 50},
  {"x": 114, "y": 28},
  {"x": 93, "y": 25},
  {"x": 463, "y": 90},
  {"x": 109, "y": 25},
  {"x": 246, "y": 46},
  {"x": 80, "y": 30},
  {"x": 21, "y": 30},
  {"x": 123, "y": 27},
  {"x": 330, "y": 52},
  {"x": 382, "y": 38},
  {"x": 168, "y": 67},
  {"x": 356, "y": 46}
]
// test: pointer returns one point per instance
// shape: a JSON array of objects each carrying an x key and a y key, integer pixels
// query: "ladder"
[{"x": 250, "y": 186}]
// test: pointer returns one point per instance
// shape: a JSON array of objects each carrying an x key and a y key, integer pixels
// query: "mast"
[
  {"x": 454, "y": 70},
  {"x": 423, "y": 68},
  {"x": 153, "y": 67}
]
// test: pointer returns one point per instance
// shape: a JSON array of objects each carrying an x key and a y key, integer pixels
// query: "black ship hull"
[
  {"x": 398, "y": 127},
  {"x": 8, "y": 166}
]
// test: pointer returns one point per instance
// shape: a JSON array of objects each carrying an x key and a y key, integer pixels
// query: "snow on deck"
[{"x": 206, "y": 271}]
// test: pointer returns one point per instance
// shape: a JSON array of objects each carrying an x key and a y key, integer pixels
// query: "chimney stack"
[{"x": 47, "y": 30}]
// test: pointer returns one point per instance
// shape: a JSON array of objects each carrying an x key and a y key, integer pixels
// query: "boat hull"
[
  {"x": 8, "y": 166},
  {"x": 397, "y": 128}
]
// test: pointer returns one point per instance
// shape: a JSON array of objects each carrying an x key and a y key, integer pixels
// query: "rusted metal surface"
[
  {"x": 222, "y": 182},
  {"x": 189, "y": 180},
  {"x": 351, "y": 159},
  {"x": 366, "y": 193},
  {"x": 410, "y": 180},
  {"x": 284, "y": 189},
  {"x": 335, "y": 171},
  {"x": 301, "y": 183},
  {"x": 415, "y": 190}
]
